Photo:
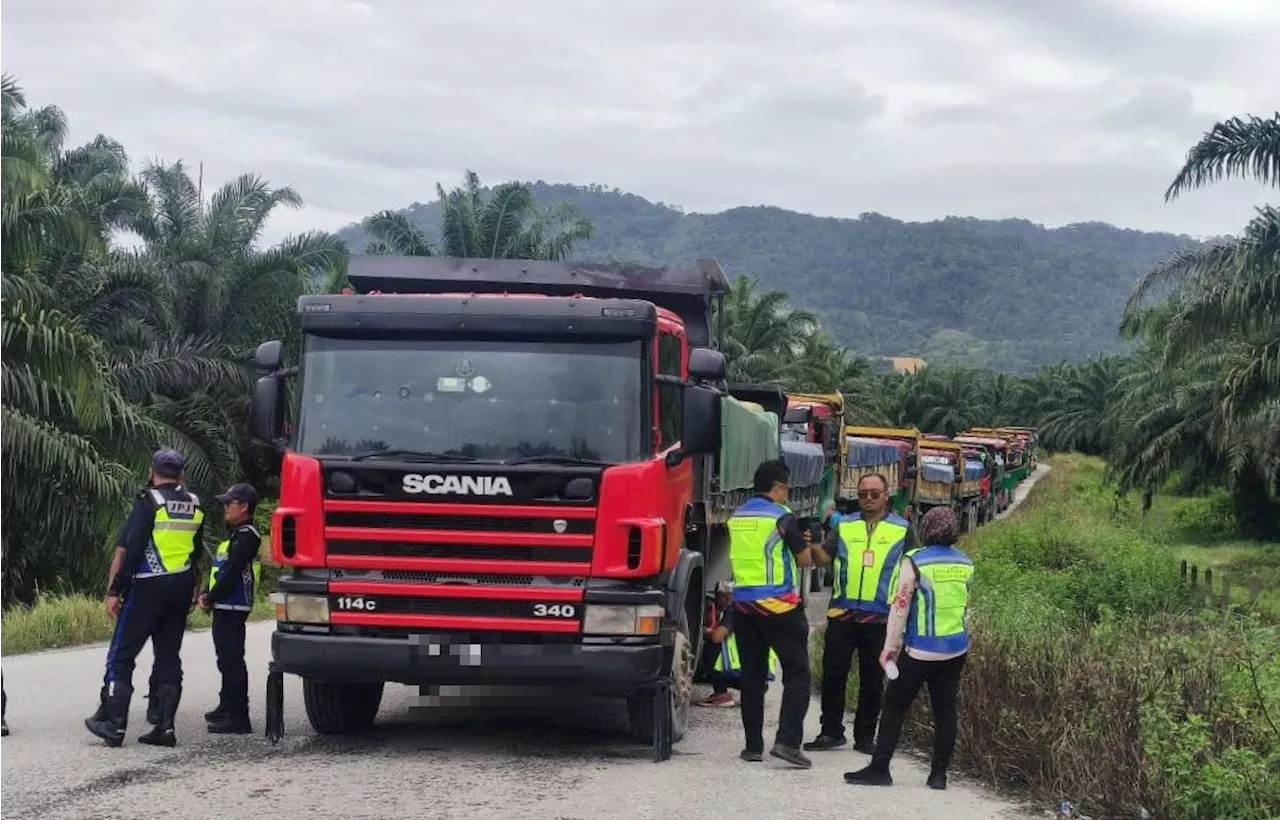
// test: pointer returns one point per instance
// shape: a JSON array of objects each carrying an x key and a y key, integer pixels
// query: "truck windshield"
[{"x": 493, "y": 400}]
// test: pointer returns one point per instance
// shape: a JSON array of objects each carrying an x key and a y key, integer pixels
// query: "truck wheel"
[
  {"x": 683, "y": 663},
  {"x": 341, "y": 708}
]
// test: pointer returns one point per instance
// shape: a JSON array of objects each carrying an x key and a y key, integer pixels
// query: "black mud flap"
[
  {"x": 662, "y": 715},
  {"x": 275, "y": 703}
]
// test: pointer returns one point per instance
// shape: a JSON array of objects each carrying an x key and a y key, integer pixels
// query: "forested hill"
[{"x": 1005, "y": 294}]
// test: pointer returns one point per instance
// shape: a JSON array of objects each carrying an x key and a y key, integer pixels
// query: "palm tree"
[
  {"x": 764, "y": 337},
  {"x": 505, "y": 224},
  {"x": 1217, "y": 385}
]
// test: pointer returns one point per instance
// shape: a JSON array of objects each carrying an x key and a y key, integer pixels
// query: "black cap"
[
  {"x": 167, "y": 461},
  {"x": 239, "y": 492}
]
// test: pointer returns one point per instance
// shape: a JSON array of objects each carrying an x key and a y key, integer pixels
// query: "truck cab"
[{"x": 497, "y": 472}]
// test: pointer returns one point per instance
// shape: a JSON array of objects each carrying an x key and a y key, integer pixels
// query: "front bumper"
[{"x": 437, "y": 659}]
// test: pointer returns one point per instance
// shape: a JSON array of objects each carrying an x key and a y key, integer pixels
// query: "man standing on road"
[
  {"x": 233, "y": 582},
  {"x": 864, "y": 549},
  {"x": 157, "y": 582},
  {"x": 767, "y": 547}
]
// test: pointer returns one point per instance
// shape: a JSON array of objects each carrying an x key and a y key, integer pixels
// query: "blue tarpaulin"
[
  {"x": 973, "y": 469},
  {"x": 938, "y": 473},
  {"x": 806, "y": 461},
  {"x": 865, "y": 452}
]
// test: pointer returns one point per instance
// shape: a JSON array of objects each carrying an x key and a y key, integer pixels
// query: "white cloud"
[{"x": 1054, "y": 111}]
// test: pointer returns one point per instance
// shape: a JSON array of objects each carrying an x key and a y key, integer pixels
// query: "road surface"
[{"x": 450, "y": 762}]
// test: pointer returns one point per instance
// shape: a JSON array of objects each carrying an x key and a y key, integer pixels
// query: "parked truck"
[
  {"x": 1002, "y": 484},
  {"x": 890, "y": 451},
  {"x": 949, "y": 479},
  {"x": 504, "y": 472},
  {"x": 816, "y": 421}
]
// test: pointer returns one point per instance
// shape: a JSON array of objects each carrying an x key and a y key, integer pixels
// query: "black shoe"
[
  {"x": 216, "y": 714},
  {"x": 937, "y": 780},
  {"x": 867, "y": 747},
  {"x": 791, "y": 754},
  {"x": 162, "y": 733},
  {"x": 111, "y": 730},
  {"x": 153, "y": 709},
  {"x": 232, "y": 724},
  {"x": 751, "y": 755},
  {"x": 824, "y": 742},
  {"x": 869, "y": 776},
  {"x": 4, "y": 728}
]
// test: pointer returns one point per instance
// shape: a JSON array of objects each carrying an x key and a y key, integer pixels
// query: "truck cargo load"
[
  {"x": 974, "y": 469},
  {"x": 806, "y": 462},
  {"x": 748, "y": 437},
  {"x": 935, "y": 473}
]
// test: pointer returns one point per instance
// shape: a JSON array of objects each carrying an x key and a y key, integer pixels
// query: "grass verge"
[
  {"x": 1095, "y": 678},
  {"x": 55, "y": 622}
]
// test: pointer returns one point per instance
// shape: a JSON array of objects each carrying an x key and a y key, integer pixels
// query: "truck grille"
[{"x": 421, "y": 566}]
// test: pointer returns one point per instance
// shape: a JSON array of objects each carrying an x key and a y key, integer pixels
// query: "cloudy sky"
[{"x": 1054, "y": 110}]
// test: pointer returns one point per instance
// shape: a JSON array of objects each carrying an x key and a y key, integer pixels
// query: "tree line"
[{"x": 131, "y": 305}]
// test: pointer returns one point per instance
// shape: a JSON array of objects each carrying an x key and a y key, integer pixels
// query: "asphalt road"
[{"x": 552, "y": 760}]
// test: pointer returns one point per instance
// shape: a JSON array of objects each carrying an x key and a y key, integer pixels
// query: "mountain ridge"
[{"x": 1009, "y": 294}]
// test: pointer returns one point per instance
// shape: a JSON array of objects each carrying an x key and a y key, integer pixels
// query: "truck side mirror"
[
  {"x": 700, "y": 424},
  {"x": 706, "y": 364},
  {"x": 268, "y": 357},
  {"x": 266, "y": 410}
]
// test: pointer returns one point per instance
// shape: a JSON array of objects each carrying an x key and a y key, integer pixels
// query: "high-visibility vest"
[
  {"x": 939, "y": 617},
  {"x": 863, "y": 566},
  {"x": 245, "y": 587},
  {"x": 728, "y": 663},
  {"x": 176, "y": 520},
  {"x": 763, "y": 566}
]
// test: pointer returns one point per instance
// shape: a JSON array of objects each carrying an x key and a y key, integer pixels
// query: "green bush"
[
  {"x": 1093, "y": 678},
  {"x": 1212, "y": 517}
]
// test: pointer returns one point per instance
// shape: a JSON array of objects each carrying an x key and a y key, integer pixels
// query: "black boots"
[
  {"x": 101, "y": 714},
  {"x": 162, "y": 734},
  {"x": 231, "y": 720},
  {"x": 115, "y": 720},
  {"x": 937, "y": 780},
  {"x": 153, "y": 709}
]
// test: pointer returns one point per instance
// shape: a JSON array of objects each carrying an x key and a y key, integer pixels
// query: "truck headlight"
[
  {"x": 301, "y": 609},
  {"x": 615, "y": 619}
]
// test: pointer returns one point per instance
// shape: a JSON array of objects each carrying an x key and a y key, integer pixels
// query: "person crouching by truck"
[{"x": 726, "y": 673}]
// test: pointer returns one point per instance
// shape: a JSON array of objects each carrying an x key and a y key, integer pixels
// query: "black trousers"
[
  {"x": 844, "y": 639},
  {"x": 943, "y": 680},
  {"x": 156, "y": 610},
  {"x": 787, "y": 635},
  {"x": 228, "y": 644}
]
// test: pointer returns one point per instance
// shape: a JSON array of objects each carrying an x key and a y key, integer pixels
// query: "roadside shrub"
[{"x": 1212, "y": 517}]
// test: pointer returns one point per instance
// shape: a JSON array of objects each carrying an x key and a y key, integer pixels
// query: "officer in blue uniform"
[
  {"x": 150, "y": 596},
  {"x": 233, "y": 582}
]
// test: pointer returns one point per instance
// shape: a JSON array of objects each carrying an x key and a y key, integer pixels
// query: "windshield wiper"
[
  {"x": 571, "y": 460},
  {"x": 411, "y": 455}
]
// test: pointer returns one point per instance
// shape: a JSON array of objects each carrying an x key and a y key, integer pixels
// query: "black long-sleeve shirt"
[
  {"x": 244, "y": 546},
  {"x": 136, "y": 534}
]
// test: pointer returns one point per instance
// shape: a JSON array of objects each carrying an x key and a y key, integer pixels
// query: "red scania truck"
[{"x": 501, "y": 472}]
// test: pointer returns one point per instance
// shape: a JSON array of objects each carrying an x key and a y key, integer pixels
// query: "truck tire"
[
  {"x": 683, "y": 662},
  {"x": 341, "y": 708}
]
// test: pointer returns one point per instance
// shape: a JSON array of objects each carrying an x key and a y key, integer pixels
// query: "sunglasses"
[{"x": 871, "y": 494}]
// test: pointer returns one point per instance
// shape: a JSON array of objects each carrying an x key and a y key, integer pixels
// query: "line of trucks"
[{"x": 511, "y": 472}]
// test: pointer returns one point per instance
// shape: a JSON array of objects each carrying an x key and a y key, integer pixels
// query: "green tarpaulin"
[{"x": 747, "y": 438}]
